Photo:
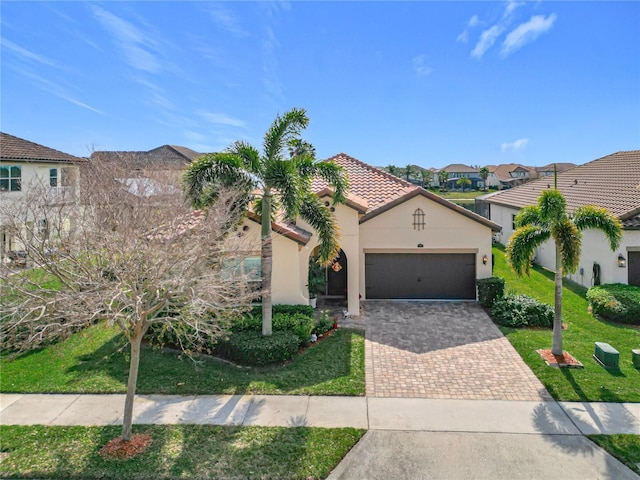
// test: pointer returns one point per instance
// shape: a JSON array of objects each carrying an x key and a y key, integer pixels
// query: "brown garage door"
[
  {"x": 634, "y": 268},
  {"x": 424, "y": 275}
]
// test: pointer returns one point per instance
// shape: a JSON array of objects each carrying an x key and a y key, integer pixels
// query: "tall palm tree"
[
  {"x": 280, "y": 177},
  {"x": 549, "y": 219},
  {"x": 427, "y": 178},
  {"x": 484, "y": 174},
  {"x": 443, "y": 176},
  {"x": 409, "y": 171}
]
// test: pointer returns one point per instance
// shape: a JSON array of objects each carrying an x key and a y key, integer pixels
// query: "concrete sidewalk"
[{"x": 390, "y": 414}]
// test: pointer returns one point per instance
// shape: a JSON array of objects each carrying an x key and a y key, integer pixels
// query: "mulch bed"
[
  {"x": 118, "y": 449},
  {"x": 566, "y": 360}
]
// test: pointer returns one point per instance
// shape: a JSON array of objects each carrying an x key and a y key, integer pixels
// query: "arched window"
[{"x": 418, "y": 219}]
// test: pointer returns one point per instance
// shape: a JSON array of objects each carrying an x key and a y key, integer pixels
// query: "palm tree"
[
  {"x": 443, "y": 176},
  {"x": 279, "y": 181},
  {"x": 549, "y": 219},
  {"x": 484, "y": 174},
  {"x": 463, "y": 182},
  {"x": 392, "y": 169},
  {"x": 427, "y": 178},
  {"x": 409, "y": 172}
]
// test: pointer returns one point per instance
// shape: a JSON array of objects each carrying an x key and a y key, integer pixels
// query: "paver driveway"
[{"x": 442, "y": 350}]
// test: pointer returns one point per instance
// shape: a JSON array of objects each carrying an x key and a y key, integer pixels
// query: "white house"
[
  {"x": 612, "y": 182},
  {"x": 398, "y": 241},
  {"x": 23, "y": 165}
]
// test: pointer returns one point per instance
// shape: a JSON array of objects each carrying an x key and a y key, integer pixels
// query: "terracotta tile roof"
[
  {"x": 503, "y": 171},
  {"x": 171, "y": 156},
  {"x": 459, "y": 167},
  {"x": 562, "y": 167},
  {"x": 15, "y": 148},
  {"x": 382, "y": 191},
  {"x": 376, "y": 187},
  {"x": 287, "y": 229},
  {"x": 612, "y": 182},
  {"x": 632, "y": 223}
]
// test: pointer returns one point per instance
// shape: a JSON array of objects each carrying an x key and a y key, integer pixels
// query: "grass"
[
  {"x": 593, "y": 382},
  {"x": 468, "y": 194},
  {"x": 95, "y": 360},
  {"x": 177, "y": 451},
  {"x": 625, "y": 448}
]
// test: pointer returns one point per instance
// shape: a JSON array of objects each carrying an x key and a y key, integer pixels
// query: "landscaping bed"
[
  {"x": 593, "y": 382},
  {"x": 176, "y": 451}
]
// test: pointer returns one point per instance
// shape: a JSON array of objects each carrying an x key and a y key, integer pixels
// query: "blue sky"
[{"x": 426, "y": 83}]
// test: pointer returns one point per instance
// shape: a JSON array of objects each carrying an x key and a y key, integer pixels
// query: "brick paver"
[{"x": 442, "y": 350}]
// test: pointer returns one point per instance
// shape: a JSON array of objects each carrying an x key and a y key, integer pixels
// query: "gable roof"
[
  {"x": 379, "y": 191},
  {"x": 503, "y": 171},
  {"x": 15, "y": 148},
  {"x": 459, "y": 167},
  {"x": 287, "y": 229},
  {"x": 612, "y": 182},
  {"x": 561, "y": 167},
  {"x": 165, "y": 156}
]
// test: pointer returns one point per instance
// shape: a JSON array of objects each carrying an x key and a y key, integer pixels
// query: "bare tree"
[{"x": 129, "y": 252}]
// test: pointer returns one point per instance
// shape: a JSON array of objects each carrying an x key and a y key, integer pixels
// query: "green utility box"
[
  {"x": 606, "y": 355},
  {"x": 635, "y": 357}
]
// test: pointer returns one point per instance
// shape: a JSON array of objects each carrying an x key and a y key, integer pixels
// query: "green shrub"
[
  {"x": 297, "y": 323},
  {"x": 490, "y": 289},
  {"x": 251, "y": 348},
  {"x": 180, "y": 335},
  {"x": 281, "y": 308},
  {"x": 616, "y": 301},
  {"x": 323, "y": 324},
  {"x": 522, "y": 311},
  {"x": 248, "y": 323}
]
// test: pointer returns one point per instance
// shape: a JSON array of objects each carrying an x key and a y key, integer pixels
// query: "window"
[
  {"x": 53, "y": 177},
  {"x": 10, "y": 179},
  {"x": 513, "y": 222},
  {"x": 249, "y": 266},
  {"x": 418, "y": 219}
]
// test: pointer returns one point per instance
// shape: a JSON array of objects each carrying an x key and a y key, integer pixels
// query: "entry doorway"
[{"x": 337, "y": 276}]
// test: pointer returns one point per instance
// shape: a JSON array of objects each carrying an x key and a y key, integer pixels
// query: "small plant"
[
  {"x": 522, "y": 311},
  {"x": 323, "y": 324},
  {"x": 616, "y": 301},
  {"x": 489, "y": 290},
  {"x": 316, "y": 280},
  {"x": 252, "y": 348}
]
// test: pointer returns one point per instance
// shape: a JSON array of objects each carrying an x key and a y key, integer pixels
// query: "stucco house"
[
  {"x": 507, "y": 175},
  {"x": 612, "y": 182},
  {"x": 25, "y": 164},
  {"x": 457, "y": 171},
  {"x": 398, "y": 241}
]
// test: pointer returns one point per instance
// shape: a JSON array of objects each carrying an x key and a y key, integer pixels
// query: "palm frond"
[
  {"x": 256, "y": 207},
  {"x": 206, "y": 176},
  {"x": 316, "y": 214},
  {"x": 282, "y": 177},
  {"x": 569, "y": 239},
  {"x": 590, "y": 216},
  {"x": 522, "y": 245},
  {"x": 299, "y": 148},
  {"x": 336, "y": 177},
  {"x": 284, "y": 129},
  {"x": 248, "y": 154},
  {"x": 553, "y": 206},
  {"x": 528, "y": 216}
]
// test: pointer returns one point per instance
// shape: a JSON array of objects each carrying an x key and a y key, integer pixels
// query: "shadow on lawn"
[{"x": 164, "y": 371}]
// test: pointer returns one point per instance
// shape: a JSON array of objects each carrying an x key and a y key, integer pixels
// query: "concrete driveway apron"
[{"x": 442, "y": 350}]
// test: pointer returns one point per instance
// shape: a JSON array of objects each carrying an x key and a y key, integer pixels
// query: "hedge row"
[{"x": 616, "y": 301}]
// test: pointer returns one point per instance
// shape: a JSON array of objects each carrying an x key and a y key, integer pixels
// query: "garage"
[
  {"x": 450, "y": 276},
  {"x": 634, "y": 269}
]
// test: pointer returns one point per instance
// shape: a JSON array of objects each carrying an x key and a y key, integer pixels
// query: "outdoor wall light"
[
  {"x": 420, "y": 245},
  {"x": 485, "y": 259},
  {"x": 622, "y": 262}
]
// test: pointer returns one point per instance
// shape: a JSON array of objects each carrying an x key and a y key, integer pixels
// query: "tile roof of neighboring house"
[
  {"x": 612, "y": 182},
  {"x": 377, "y": 191},
  {"x": 287, "y": 229},
  {"x": 15, "y": 148},
  {"x": 503, "y": 171},
  {"x": 166, "y": 155},
  {"x": 459, "y": 167}
]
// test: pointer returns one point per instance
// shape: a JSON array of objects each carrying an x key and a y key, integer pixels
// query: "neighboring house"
[
  {"x": 612, "y": 182},
  {"x": 23, "y": 165},
  {"x": 166, "y": 158},
  {"x": 398, "y": 241},
  {"x": 548, "y": 170},
  {"x": 457, "y": 171},
  {"x": 509, "y": 175}
]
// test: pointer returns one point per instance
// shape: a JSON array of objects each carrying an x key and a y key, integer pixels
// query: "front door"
[{"x": 337, "y": 276}]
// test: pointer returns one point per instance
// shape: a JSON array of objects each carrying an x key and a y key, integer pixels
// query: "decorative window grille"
[{"x": 418, "y": 219}]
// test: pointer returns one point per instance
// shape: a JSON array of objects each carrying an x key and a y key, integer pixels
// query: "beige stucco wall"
[
  {"x": 595, "y": 248},
  {"x": 445, "y": 232}
]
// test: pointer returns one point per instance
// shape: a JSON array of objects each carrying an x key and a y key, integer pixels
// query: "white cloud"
[
  {"x": 515, "y": 146},
  {"x": 487, "y": 39},
  {"x": 27, "y": 55},
  {"x": 527, "y": 32},
  {"x": 420, "y": 66},
  {"x": 464, "y": 36},
  {"x": 225, "y": 19},
  {"x": 135, "y": 43},
  {"x": 511, "y": 7},
  {"x": 223, "y": 119}
]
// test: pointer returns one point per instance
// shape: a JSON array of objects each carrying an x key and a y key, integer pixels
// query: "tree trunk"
[
  {"x": 267, "y": 264},
  {"x": 131, "y": 384},
  {"x": 556, "y": 347}
]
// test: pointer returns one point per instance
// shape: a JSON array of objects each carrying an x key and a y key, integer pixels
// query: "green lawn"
[
  {"x": 177, "y": 451},
  {"x": 625, "y": 448},
  {"x": 469, "y": 194},
  {"x": 592, "y": 383},
  {"x": 96, "y": 361}
]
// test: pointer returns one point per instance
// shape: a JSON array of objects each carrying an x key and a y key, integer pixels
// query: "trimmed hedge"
[
  {"x": 522, "y": 311},
  {"x": 282, "y": 308},
  {"x": 297, "y": 323},
  {"x": 490, "y": 289},
  {"x": 251, "y": 348},
  {"x": 616, "y": 301},
  {"x": 323, "y": 325}
]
